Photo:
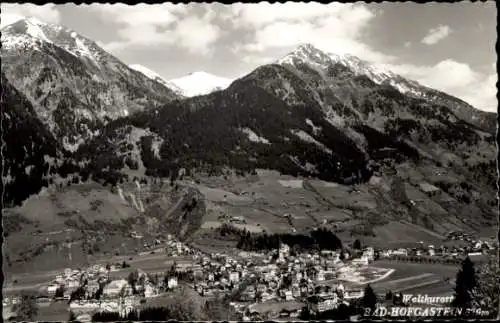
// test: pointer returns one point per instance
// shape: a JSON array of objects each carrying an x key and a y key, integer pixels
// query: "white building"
[
  {"x": 234, "y": 276},
  {"x": 109, "y": 306},
  {"x": 363, "y": 261},
  {"x": 51, "y": 289},
  {"x": 284, "y": 250},
  {"x": 353, "y": 293},
  {"x": 400, "y": 251},
  {"x": 150, "y": 291},
  {"x": 289, "y": 295},
  {"x": 73, "y": 283},
  {"x": 172, "y": 282},
  {"x": 114, "y": 288},
  {"x": 369, "y": 253}
]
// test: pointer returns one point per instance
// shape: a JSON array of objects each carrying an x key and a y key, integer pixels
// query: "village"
[{"x": 320, "y": 280}]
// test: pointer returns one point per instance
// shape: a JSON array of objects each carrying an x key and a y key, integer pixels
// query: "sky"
[{"x": 447, "y": 46}]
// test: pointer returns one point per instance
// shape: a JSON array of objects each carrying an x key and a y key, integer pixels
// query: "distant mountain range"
[
  {"x": 193, "y": 84},
  {"x": 200, "y": 83},
  {"x": 311, "y": 113}
]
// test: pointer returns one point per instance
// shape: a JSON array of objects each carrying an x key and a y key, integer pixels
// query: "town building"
[
  {"x": 172, "y": 282},
  {"x": 318, "y": 304},
  {"x": 114, "y": 288}
]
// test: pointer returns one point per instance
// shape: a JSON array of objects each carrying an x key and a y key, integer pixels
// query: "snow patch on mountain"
[
  {"x": 156, "y": 77},
  {"x": 253, "y": 137},
  {"x": 308, "y": 54},
  {"x": 200, "y": 83},
  {"x": 34, "y": 29},
  {"x": 314, "y": 128},
  {"x": 308, "y": 138}
]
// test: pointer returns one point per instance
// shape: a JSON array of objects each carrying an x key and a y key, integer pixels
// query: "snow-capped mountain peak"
[
  {"x": 378, "y": 73},
  {"x": 307, "y": 53},
  {"x": 200, "y": 83},
  {"x": 34, "y": 28},
  {"x": 34, "y": 33},
  {"x": 155, "y": 76}
]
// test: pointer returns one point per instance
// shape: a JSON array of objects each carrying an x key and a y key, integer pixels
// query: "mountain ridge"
[
  {"x": 74, "y": 85},
  {"x": 382, "y": 75},
  {"x": 308, "y": 116},
  {"x": 200, "y": 83}
]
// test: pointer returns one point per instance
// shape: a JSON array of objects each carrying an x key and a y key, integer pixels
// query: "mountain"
[
  {"x": 30, "y": 152},
  {"x": 382, "y": 75},
  {"x": 314, "y": 117},
  {"x": 156, "y": 77},
  {"x": 200, "y": 83},
  {"x": 390, "y": 157},
  {"x": 74, "y": 85}
]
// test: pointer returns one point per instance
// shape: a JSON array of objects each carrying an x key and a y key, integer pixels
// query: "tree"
[
  {"x": 173, "y": 269},
  {"x": 72, "y": 316},
  {"x": 132, "y": 280},
  {"x": 27, "y": 308},
  {"x": 487, "y": 292},
  {"x": 305, "y": 314},
  {"x": 369, "y": 299},
  {"x": 356, "y": 245},
  {"x": 465, "y": 284},
  {"x": 219, "y": 309},
  {"x": 59, "y": 292}
]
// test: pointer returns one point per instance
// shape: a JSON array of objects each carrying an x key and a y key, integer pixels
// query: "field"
[
  {"x": 276, "y": 307},
  {"x": 55, "y": 312},
  {"x": 417, "y": 278},
  {"x": 270, "y": 202},
  {"x": 366, "y": 275}
]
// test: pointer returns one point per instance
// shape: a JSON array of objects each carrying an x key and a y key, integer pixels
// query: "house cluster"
[
  {"x": 473, "y": 248},
  {"x": 279, "y": 276},
  {"x": 175, "y": 248},
  {"x": 171, "y": 247},
  {"x": 70, "y": 280}
]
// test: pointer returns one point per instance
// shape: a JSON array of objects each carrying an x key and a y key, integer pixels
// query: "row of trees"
[{"x": 316, "y": 240}]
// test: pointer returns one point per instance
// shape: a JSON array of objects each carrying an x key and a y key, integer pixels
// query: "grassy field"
[
  {"x": 276, "y": 307},
  {"x": 416, "y": 278},
  {"x": 55, "y": 312}
]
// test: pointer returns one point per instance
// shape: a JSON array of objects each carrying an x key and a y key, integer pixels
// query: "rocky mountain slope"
[
  {"x": 383, "y": 75},
  {"x": 313, "y": 116},
  {"x": 74, "y": 85}
]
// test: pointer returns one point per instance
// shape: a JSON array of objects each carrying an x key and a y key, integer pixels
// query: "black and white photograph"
[{"x": 258, "y": 161}]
